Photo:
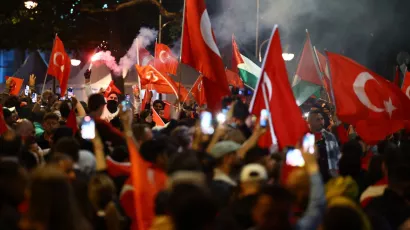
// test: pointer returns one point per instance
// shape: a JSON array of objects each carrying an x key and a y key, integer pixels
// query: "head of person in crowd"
[
  {"x": 240, "y": 113},
  {"x": 350, "y": 162},
  {"x": 101, "y": 191},
  {"x": 252, "y": 178},
  {"x": 273, "y": 209},
  {"x": 37, "y": 116},
  {"x": 298, "y": 183},
  {"x": 25, "y": 129},
  {"x": 184, "y": 161},
  {"x": 10, "y": 116},
  {"x": 96, "y": 104},
  {"x": 146, "y": 118},
  {"x": 112, "y": 97},
  {"x": 375, "y": 170},
  {"x": 52, "y": 203},
  {"x": 142, "y": 133},
  {"x": 183, "y": 136},
  {"x": 11, "y": 145},
  {"x": 225, "y": 155},
  {"x": 316, "y": 121},
  {"x": 236, "y": 135},
  {"x": 262, "y": 156},
  {"x": 13, "y": 182},
  {"x": 66, "y": 145},
  {"x": 12, "y": 102},
  {"x": 50, "y": 122},
  {"x": 158, "y": 105},
  {"x": 64, "y": 163},
  {"x": 158, "y": 151},
  {"x": 65, "y": 109},
  {"x": 184, "y": 200},
  {"x": 344, "y": 213}
]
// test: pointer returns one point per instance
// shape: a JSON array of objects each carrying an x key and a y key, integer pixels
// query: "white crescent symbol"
[
  {"x": 108, "y": 89},
  {"x": 55, "y": 60},
  {"x": 161, "y": 58},
  {"x": 358, "y": 87},
  {"x": 206, "y": 31},
  {"x": 408, "y": 92},
  {"x": 151, "y": 75},
  {"x": 268, "y": 84}
]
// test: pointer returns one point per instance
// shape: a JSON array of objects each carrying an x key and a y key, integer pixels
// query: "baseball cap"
[
  {"x": 95, "y": 101},
  {"x": 253, "y": 173},
  {"x": 222, "y": 148}
]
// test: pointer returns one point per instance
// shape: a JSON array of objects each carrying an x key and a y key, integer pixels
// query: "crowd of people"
[{"x": 51, "y": 178}]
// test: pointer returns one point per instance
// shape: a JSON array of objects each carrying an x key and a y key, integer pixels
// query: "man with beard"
[
  {"x": 326, "y": 143},
  {"x": 226, "y": 157}
]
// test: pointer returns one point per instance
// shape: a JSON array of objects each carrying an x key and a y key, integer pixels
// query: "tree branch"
[{"x": 162, "y": 10}]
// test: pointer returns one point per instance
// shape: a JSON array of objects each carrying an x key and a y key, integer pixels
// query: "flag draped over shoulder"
[
  {"x": 273, "y": 92},
  {"x": 373, "y": 105},
  {"x": 248, "y": 71},
  {"x": 199, "y": 50},
  {"x": 60, "y": 65}
]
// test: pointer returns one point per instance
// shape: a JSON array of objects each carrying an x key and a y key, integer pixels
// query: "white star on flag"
[{"x": 389, "y": 106}]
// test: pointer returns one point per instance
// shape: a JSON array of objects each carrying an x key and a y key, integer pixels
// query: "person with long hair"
[{"x": 52, "y": 205}]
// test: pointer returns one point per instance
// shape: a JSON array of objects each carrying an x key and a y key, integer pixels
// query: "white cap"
[{"x": 253, "y": 173}]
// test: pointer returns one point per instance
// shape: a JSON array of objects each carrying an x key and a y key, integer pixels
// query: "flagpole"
[
  {"x": 317, "y": 63},
  {"x": 180, "y": 51},
  {"x": 138, "y": 63},
  {"x": 45, "y": 77},
  {"x": 257, "y": 28}
]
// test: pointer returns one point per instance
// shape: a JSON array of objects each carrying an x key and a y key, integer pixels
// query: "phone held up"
[{"x": 88, "y": 128}]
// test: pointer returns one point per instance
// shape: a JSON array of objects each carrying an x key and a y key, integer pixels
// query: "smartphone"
[
  {"x": 241, "y": 91},
  {"x": 127, "y": 97},
  {"x": 126, "y": 105},
  {"x": 309, "y": 143},
  {"x": 88, "y": 128},
  {"x": 70, "y": 92},
  {"x": 34, "y": 97},
  {"x": 263, "y": 121},
  {"x": 26, "y": 90},
  {"x": 294, "y": 158},
  {"x": 206, "y": 123}
]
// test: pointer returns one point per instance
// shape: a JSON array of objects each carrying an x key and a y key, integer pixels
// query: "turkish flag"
[
  {"x": 373, "y": 105},
  {"x": 406, "y": 84},
  {"x": 274, "y": 93},
  {"x": 167, "y": 110},
  {"x": 60, "y": 64},
  {"x": 15, "y": 85},
  {"x": 165, "y": 61},
  {"x": 72, "y": 121},
  {"x": 198, "y": 91},
  {"x": 111, "y": 89},
  {"x": 199, "y": 50},
  {"x": 152, "y": 79},
  {"x": 3, "y": 126},
  {"x": 234, "y": 79}
]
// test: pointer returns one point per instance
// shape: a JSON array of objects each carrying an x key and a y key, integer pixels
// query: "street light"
[
  {"x": 31, "y": 4},
  {"x": 288, "y": 56},
  {"x": 75, "y": 62}
]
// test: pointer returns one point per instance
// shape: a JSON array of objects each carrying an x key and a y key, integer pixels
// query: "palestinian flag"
[{"x": 248, "y": 71}]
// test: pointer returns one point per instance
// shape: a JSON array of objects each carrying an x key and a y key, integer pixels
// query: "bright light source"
[
  {"x": 30, "y": 4},
  {"x": 75, "y": 62},
  {"x": 96, "y": 57},
  {"x": 105, "y": 6},
  {"x": 306, "y": 114},
  {"x": 221, "y": 118},
  {"x": 288, "y": 56}
]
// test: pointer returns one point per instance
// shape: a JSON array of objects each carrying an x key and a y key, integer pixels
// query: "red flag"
[
  {"x": 145, "y": 57},
  {"x": 406, "y": 84},
  {"x": 72, "y": 121},
  {"x": 326, "y": 77},
  {"x": 307, "y": 68},
  {"x": 274, "y": 93},
  {"x": 234, "y": 79},
  {"x": 152, "y": 79},
  {"x": 3, "y": 126},
  {"x": 157, "y": 119},
  {"x": 111, "y": 89},
  {"x": 145, "y": 99},
  {"x": 198, "y": 91},
  {"x": 165, "y": 61},
  {"x": 15, "y": 85},
  {"x": 60, "y": 64},
  {"x": 199, "y": 50},
  {"x": 144, "y": 191},
  {"x": 167, "y": 110},
  {"x": 373, "y": 105},
  {"x": 396, "y": 79}
]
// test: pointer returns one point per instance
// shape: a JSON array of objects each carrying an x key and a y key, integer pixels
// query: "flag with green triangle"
[{"x": 248, "y": 71}]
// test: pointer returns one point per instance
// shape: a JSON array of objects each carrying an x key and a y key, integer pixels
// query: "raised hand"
[{"x": 32, "y": 80}]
